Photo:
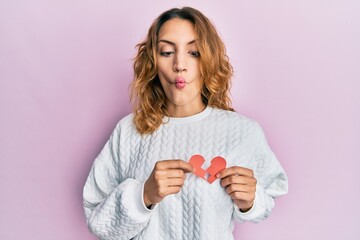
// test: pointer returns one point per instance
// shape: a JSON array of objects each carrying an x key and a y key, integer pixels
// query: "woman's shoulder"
[
  {"x": 127, "y": 120},
  {"x": 239, "y": 123},
  {"x": 233, "y": 117},
  {"x": 126, "y": 123}
]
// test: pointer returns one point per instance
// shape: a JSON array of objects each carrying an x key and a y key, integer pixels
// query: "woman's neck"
[{"x": 186, "y": 110}]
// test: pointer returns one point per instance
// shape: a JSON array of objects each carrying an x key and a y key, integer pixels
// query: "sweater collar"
[{"x": 194, "y": 118}]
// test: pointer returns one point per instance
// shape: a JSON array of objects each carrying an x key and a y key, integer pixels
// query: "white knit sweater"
[{"x": 113, "y": 193}]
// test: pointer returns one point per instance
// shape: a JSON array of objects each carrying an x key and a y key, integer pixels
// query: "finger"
[
  {"x": 240, "y": 188},
  {"x": 236, "y": 170},
  {"x": 235, "y": 179},
  {"x": 176, "y": 173},
  {"x": 166, "y": 190},
  {"x": 174, "y": 164},
  {"x": 242, "y": 196},
  {"x": 169, "y": 173},
  {"x": 174, "y": 190},
  {"x": 174, "y": 182}
]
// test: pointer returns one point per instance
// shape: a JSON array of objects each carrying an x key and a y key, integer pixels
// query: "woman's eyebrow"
[{"x": 172, "y": 43}]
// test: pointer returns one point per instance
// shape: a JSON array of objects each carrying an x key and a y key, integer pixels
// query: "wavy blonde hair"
[{"x": 147, "y": 94}]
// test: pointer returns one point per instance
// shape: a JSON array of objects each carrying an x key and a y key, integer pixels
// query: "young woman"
[{"x": 142, "y": 186}]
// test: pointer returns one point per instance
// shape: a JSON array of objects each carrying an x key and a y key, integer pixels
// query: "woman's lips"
[{"x": 180, "y": 82}]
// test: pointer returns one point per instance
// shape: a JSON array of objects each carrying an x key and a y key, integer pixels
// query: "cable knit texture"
[{"x": 113, "y": 193}]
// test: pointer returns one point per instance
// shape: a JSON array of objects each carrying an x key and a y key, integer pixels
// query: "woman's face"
[{"x": 178, "y": 66}]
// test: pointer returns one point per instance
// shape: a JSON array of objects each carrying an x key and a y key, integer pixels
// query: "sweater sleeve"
[
  {"x": 114, "y": 207},
  {"x": 271, "y": 178}
]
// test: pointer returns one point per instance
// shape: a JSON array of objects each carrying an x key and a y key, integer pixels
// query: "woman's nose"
[{"x": 180, "y": 63}]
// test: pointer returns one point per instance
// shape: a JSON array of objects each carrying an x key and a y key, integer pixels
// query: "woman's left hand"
[{"x": 240, "y": 184}]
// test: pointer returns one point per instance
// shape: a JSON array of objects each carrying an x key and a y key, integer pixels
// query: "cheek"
[
  {"x": 200, "y": 86},
  {"x": 163, "y": 77},
  {"x": 161, "y": 74},
  {"x": 164, "y": 66},
  {"x": 163, "y": 81},
  {"x": 194, "y": 63}
]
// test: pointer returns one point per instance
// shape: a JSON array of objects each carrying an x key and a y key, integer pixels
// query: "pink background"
[{"x": 65, "y": 67}]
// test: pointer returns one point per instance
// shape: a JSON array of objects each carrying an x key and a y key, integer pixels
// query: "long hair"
[{"x": 147, "y": 94}]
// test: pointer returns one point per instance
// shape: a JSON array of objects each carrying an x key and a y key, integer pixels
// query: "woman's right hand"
[{"x": 167, "y": 178}]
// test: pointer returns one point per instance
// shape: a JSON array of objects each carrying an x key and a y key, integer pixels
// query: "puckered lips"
[{"x": 180, "y": 82}]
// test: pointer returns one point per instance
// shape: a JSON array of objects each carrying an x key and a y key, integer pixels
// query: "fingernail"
[{"x": 218, "y": 175}]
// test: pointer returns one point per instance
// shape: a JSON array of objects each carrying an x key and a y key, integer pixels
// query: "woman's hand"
[
  {"x": 240, "y": 184},
  {"x": 167, "y": 178}
]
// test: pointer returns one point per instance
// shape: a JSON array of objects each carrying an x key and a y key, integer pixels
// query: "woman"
[{"x": 142, "y": 185}]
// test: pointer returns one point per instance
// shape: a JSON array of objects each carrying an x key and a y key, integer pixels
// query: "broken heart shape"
[{"x": 217, "y": 164}]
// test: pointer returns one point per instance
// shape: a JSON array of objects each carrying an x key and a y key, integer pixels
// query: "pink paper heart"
[{"x": 217, "y": 164}]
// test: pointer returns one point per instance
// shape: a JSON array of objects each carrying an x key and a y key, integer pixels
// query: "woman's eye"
[
  {"x": 166, "y": 54},
  {"x": 194, "y": 53}
]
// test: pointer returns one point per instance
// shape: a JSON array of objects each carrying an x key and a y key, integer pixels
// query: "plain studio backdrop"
[{"x": 65, "y": 67}]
